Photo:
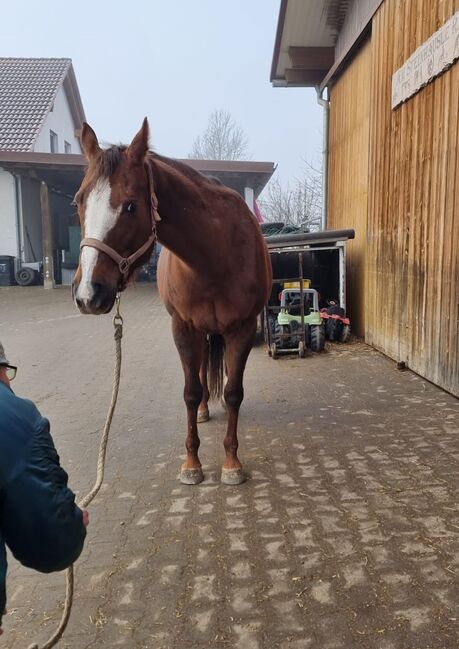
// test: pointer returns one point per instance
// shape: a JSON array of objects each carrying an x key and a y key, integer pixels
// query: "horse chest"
[
  {"x": 211, "y": 302},
  {"x": 211, "y": 316}
]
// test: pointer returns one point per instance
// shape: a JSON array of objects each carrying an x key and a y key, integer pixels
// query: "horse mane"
[
  {"x": 187, "y": 171},
  {"x": 109, "y": 159}
]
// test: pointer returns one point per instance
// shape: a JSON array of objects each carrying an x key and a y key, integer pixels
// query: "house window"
[
  {"x": 53, "y": 142},
  {"x": 67, "y": 147}
]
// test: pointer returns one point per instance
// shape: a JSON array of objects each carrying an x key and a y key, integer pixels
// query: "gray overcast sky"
[{"x": 174, "y": 61}]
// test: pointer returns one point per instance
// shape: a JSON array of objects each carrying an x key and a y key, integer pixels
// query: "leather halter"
[{"x": 124, "y": 263}]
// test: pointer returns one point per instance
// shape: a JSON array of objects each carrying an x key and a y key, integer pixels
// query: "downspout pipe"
[{"x": 325, "y": 103}]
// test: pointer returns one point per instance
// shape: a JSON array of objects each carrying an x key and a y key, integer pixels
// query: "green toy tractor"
[{"x": 292, "y": 331}]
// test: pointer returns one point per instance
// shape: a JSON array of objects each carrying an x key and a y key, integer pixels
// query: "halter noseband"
[{"x": 124, "y": 263}]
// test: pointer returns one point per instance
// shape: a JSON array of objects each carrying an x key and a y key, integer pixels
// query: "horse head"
[{"x": 117, "y": 209}]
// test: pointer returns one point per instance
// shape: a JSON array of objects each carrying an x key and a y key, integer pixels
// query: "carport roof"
[
  {"x": 312, "y": 27},
  {"x": 315, "y": 37},
  {"x": 65, "y": 171}
]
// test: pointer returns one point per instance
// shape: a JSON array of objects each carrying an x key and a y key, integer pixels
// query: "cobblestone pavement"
[{"x": 345, "y": 535}]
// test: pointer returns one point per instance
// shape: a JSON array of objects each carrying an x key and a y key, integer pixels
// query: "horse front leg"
[
  {"x": 237, "y": 349},
  {"x": 190, "y": 345},
  {"x": 203, "y": 409}
]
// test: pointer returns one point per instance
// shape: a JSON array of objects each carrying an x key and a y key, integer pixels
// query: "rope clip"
[{"x": 118, "y": 318}]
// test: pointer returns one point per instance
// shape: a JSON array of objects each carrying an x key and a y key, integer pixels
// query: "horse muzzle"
[{"x": 94, "y": 298}]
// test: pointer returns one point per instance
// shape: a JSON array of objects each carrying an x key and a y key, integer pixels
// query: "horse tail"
[{"x": 215, "y": 365}]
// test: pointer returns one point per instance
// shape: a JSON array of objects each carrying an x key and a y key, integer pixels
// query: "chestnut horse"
[{"x": 214, "y": 273}]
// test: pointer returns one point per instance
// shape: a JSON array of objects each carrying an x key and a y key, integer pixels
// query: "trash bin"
[{"x": 7, "y": 270}]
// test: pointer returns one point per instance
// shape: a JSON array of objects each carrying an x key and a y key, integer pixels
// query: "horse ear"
[
  {"x": 89, "y": 142},
  {"x": 139, "y": 146}
]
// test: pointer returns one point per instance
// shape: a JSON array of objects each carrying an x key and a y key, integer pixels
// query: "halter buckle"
[{"x": 124, "y": 266}]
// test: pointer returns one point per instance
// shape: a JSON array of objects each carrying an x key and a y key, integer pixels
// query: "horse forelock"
[{"x": 108, "y": 160}]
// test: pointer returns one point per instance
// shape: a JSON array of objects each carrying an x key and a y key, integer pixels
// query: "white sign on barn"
[{"x": 427, "y": 62}]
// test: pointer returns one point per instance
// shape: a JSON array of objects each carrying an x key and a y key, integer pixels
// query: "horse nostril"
[
  {"x": 98, "y": 291},
  {"x": 102, "y": 298},
  {"x": 80, "y": 304}
]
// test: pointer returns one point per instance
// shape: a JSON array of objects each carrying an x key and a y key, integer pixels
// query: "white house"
[
  {"x": 42, "y": 166},
  {"x": 40, "y": 112}
]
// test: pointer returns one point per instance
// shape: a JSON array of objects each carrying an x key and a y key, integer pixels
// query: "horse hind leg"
[
  {"x": 203, "y": 409},
  {"x": 238, "y": 346}
]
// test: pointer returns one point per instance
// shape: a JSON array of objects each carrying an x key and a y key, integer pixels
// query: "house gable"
[
  {"x": 59, "y": 121},
  {"x": 32, "y": 90}
]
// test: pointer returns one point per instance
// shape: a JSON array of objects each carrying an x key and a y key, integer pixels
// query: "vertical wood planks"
[
  {"x": 348, "y": 195},
  {"x": 404, "y": 264}
]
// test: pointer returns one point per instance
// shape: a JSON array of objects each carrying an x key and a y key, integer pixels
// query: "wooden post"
[
  {"x": 248, "y": 197},
  {"x": 47, "y": 230}
]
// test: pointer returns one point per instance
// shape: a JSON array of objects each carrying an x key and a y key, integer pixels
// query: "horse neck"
[{"x": 184, "y": 224}]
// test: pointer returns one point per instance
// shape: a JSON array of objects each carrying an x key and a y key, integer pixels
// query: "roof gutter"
[{"x": 325, "y": 103}]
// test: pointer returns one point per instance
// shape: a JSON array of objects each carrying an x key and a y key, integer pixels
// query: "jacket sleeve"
[
  {"x": 3, "y": 567},
  {"x": 41, "y": 523}
]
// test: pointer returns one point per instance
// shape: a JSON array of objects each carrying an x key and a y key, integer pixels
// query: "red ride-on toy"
[{"x": 337, "y": 325}]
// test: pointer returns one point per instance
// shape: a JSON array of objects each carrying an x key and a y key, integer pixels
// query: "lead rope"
[{"x": 118, "y": 325}]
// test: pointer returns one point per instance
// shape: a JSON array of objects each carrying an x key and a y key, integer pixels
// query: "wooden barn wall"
[
  {"x": 412, "y": 279},
  {"x": 348, "y": 173}
]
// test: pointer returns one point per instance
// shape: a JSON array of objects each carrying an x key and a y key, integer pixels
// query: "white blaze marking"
[
  {"x": 88, "y": 260},
  {"x": 100, "y": 218}
]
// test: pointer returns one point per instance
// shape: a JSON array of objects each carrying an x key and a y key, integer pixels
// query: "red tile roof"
[{"x": 28, "y": 88}]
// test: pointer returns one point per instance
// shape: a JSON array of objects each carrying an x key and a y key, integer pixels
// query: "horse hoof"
[
  {"x": 233, "y": 476},
  {"x": 191, "y": 476},
  {"x": 203, "y": 415}
]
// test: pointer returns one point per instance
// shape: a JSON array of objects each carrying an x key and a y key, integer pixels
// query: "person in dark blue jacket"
[{"x": 39, "y": 520}]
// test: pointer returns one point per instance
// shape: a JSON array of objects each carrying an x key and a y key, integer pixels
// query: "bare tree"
[
  {"x": 299, "y": 203},
  {"x": 223, "y": 139}
]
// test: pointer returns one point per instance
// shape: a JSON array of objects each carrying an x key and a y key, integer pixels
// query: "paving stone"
[{"x": 346, "y": 533}]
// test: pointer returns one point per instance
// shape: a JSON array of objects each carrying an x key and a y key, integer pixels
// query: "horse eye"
[{"x": 130, "y": 207}]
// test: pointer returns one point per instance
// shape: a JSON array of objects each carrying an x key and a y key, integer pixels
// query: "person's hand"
[
  {"x": 4, "y": 613},
  {"x": 85, "y": 518}
]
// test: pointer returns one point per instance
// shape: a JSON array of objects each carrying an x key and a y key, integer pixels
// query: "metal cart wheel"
[
  {"x": 301, "y": 349},
  {"x": 273, "y": 351}
]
